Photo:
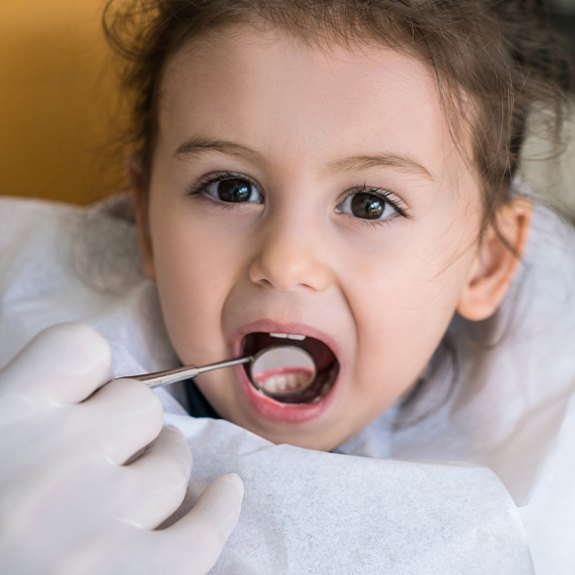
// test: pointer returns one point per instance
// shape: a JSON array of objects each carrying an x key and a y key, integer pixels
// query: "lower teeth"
[
  {"x": 282, "y": 382},
  {"x": 309, "y": 392}
]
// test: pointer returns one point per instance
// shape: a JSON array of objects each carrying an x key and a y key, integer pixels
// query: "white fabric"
[{"x": 484, "y": 484}]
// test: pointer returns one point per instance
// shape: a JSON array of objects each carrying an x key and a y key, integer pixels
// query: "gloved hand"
[{"x": 86, "y": 476}]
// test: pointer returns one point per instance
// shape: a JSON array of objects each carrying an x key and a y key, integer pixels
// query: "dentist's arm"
[{"x": 87, "y": 472}]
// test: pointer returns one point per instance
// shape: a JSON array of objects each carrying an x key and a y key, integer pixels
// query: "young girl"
[{"x": 336, "y": 176}]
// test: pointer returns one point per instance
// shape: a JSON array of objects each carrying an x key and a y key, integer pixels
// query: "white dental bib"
[{"x": 484, "y": 484}]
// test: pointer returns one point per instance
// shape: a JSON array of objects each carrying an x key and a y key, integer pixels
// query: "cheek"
[
  {"x": 413, "y": 293},
  {"x": 397, "y": 341},
  {"x": 193, "y": 278}
]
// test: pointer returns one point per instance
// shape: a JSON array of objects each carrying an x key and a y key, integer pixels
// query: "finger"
[
  {"x": 189, "y": 547},
  {"x": 118, "y": 421},
  {"x": 218, "y": 507},
  {"x": 154, "y": 485},
  {"x": 66, "y": 362},
  {"x": 202, "y": 533}
]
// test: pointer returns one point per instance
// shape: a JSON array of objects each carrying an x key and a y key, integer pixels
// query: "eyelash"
[
  {"x": 198, "y": 188},
  {"x": 387, "y": 196},
  {"x": 401, "y": 209}
]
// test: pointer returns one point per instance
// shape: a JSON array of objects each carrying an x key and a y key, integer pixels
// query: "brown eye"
[
  {"x": 232, "y": 190},
  {"x": 368, "y": 205}
]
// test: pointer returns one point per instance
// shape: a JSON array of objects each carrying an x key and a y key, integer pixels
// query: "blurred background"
[
  {"x": 59, "y": 105},
  {"x": 564, "y": 18},
  {"x": 60, "y": 109}
]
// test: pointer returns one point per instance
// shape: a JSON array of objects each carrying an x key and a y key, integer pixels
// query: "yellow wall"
[{"x": 58, "y": 101}]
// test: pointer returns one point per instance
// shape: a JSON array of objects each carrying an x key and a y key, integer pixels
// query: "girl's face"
[{"x": 308, "y": 191}]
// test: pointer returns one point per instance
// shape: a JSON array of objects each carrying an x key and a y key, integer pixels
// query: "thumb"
[{"x": 202, "y": 533}]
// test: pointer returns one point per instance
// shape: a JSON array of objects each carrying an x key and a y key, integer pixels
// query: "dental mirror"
[
  {"x": 277, "y": 371},
  {"x": 282, "y": 371}
]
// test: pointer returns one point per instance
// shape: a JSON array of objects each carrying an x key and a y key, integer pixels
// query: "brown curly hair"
[{"x": 496, "y": 61}]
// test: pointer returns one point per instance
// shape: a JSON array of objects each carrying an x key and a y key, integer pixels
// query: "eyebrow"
[
  {"x": 198, "y": 146},
  {"x": 385, "y": 160}
]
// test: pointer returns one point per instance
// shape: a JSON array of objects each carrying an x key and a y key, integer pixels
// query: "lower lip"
[{"x": 273, "y": 410}]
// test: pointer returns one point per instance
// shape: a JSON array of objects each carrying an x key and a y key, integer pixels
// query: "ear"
[
  {"x": 139, "y": 190},
  {"x": 496, "y": 262}
]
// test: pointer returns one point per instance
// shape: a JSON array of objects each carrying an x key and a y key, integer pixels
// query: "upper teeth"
[{"x": 295, "y": 336}]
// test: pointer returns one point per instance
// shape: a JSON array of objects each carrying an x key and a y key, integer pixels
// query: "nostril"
[
  {"x": 287, "y": 272},
  {"x": 264, "y": 282}
]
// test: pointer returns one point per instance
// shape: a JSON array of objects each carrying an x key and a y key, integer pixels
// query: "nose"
[{"x": 290, "y": 257}]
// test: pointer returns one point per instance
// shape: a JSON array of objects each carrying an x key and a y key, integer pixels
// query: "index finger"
[{"x": 66, "y": 362}]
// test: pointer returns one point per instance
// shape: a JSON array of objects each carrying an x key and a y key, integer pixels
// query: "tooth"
[
  {"x": 295, "y": 336},
  {"x": 273, "y": 384},
  {"x": 291, "y": 382},
  {"x": 285, "y": 382}
]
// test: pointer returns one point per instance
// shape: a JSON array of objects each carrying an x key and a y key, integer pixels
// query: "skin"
[{"x": 382, "y": 293}]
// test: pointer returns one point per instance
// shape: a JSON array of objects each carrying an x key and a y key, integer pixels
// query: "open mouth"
[{"x": 291, "y": 384}]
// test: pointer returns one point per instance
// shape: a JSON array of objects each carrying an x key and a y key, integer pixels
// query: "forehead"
[{"x": 236, "y": 82}]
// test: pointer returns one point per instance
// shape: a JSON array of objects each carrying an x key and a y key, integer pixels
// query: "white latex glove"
[{"x": 86, "y": 477}]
